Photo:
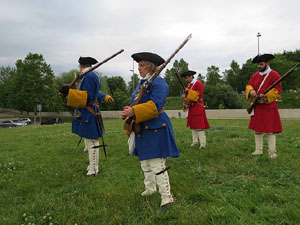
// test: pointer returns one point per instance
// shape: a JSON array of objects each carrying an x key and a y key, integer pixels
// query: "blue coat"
[
  {"x": 156, "y": 140},
  {"x": 87, "y": 126}
]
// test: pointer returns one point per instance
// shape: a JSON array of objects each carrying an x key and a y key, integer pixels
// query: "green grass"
[{"x": 42, "y": 178}]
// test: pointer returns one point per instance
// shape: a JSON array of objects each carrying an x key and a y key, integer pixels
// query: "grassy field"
[{"x": 42, "y": 178}]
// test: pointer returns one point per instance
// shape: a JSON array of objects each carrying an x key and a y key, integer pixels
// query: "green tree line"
[{"x": 32, "y": 81}]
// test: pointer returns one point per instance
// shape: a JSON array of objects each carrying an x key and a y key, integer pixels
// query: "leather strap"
[{"x": 92, "y": 102}]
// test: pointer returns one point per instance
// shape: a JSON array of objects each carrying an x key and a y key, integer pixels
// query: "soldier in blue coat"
[
  {"x": 156, "y": 140},
  {"x": 85, "y": 124}
]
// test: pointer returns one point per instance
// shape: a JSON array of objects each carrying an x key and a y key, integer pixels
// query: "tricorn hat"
[
  {"x": 188, "y": 73},
  {"x": 263, "y": 58},
  {"x": 148, "y": 56},
  {"x": 87, "y": 60}
]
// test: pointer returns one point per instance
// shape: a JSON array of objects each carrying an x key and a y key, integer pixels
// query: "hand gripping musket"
[
  {"x": 129, "y": 121},
  {"x": 81, "y": 75},
  {"x": 257, "y": 98}
]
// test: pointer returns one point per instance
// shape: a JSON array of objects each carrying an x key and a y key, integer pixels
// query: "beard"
[{"x": 263, "y": 68}]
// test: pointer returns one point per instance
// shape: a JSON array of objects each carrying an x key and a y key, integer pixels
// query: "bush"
[
  {"x": 289, "y": 100},
  {"x": 174, "y": 103},
  {"x": 221, "y": 96}
]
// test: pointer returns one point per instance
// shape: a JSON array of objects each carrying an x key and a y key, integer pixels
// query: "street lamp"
[
  {"x": 258, "y": 35},
  {"x": 133, "y": 87},
  {"x": 132, "y": 76}
]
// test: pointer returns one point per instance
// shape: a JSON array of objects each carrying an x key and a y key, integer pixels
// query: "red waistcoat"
[{"x": 266, "y": 117}]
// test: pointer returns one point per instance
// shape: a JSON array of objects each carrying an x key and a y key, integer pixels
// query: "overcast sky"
[{"x": 222, "y": 30}]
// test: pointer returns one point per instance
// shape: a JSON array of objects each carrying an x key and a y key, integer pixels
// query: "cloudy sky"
[{"x": 222, "y": 30}]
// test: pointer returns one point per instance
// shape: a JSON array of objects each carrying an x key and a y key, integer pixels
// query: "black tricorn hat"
[
  {"x": 149, "y": 57},
  {"x": 87, "y": 60},
  {"x": 188, "y": 73},
  {"x": 263, "y": 58}
]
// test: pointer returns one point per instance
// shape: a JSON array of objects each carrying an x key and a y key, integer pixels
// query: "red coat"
[
  {"x": 196, "y": 115},
  {"x": 266, "y": 117}
]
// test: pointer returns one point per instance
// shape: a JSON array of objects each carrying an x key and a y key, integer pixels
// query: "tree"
[
  {"x": 201, "y": 78},
  {"x": 213, "y": 76},
  {"x": 66, "y": 77},
  {"x": 103, "y": 80},
  {"x": 243, "y": 77},
  {"x": 134, "y": 80},
  {"x": 231, "y": 75},
  {"x": 117, "y": 89},
  {"x": 292, "y": 55},
  {"x": 5, "y": 85},
  {"x": 114, "y": 83},
  {"x": 5, "y": 73},
  {"x": 170, "y": 76},
  {"x": 282, "y": 64},
  {"x": 121, "y": 99},
  {"x": 33, "y": 83}
]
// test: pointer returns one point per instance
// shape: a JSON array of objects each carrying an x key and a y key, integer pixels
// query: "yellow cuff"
[
  {"x": 77, "y": 98},
  {"x": 145, "y": 111},
  {"x": 248, "y": 89},
  {"x": 272, "y": 95},
  {"x": 107, "y": 97},
  {"x": 193, "y": 96}
]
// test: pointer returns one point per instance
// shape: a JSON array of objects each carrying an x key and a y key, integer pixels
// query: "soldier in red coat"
[
  {"x": 265, "y": 118},
  {"x": 193, "y": 101}
]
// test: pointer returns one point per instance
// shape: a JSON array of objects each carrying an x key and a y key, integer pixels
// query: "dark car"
[{"x": 52, "y": 120}]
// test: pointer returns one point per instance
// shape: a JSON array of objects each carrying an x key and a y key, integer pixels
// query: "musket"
[
  {"x": 148, "y": 82},
  {"x": 257, "y": 98},
  {"x": 103, "y": 145},
  {"x": 180, "y": 81},
  {"x": 185, "y": 108},
  {"x": 81, "y": 75}
]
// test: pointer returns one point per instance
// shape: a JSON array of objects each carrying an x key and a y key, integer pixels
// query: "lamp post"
[
  {"x": 258, "y": 35},
  {"x": 132, "y": 74}
]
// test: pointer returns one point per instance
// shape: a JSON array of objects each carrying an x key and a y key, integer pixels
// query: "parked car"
[
  {"x": 25, "y": 120},
  {"x": 11, "y": 123},
  {"x": 6, "y": 125},
  {"x": 18, "y": 123},
  {"x": 52, "y": 120}
]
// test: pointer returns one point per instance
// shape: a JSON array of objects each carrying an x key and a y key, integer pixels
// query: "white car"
[
  {"x": 12, "y": 123},
  {"x": 25, "y": 120}
]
